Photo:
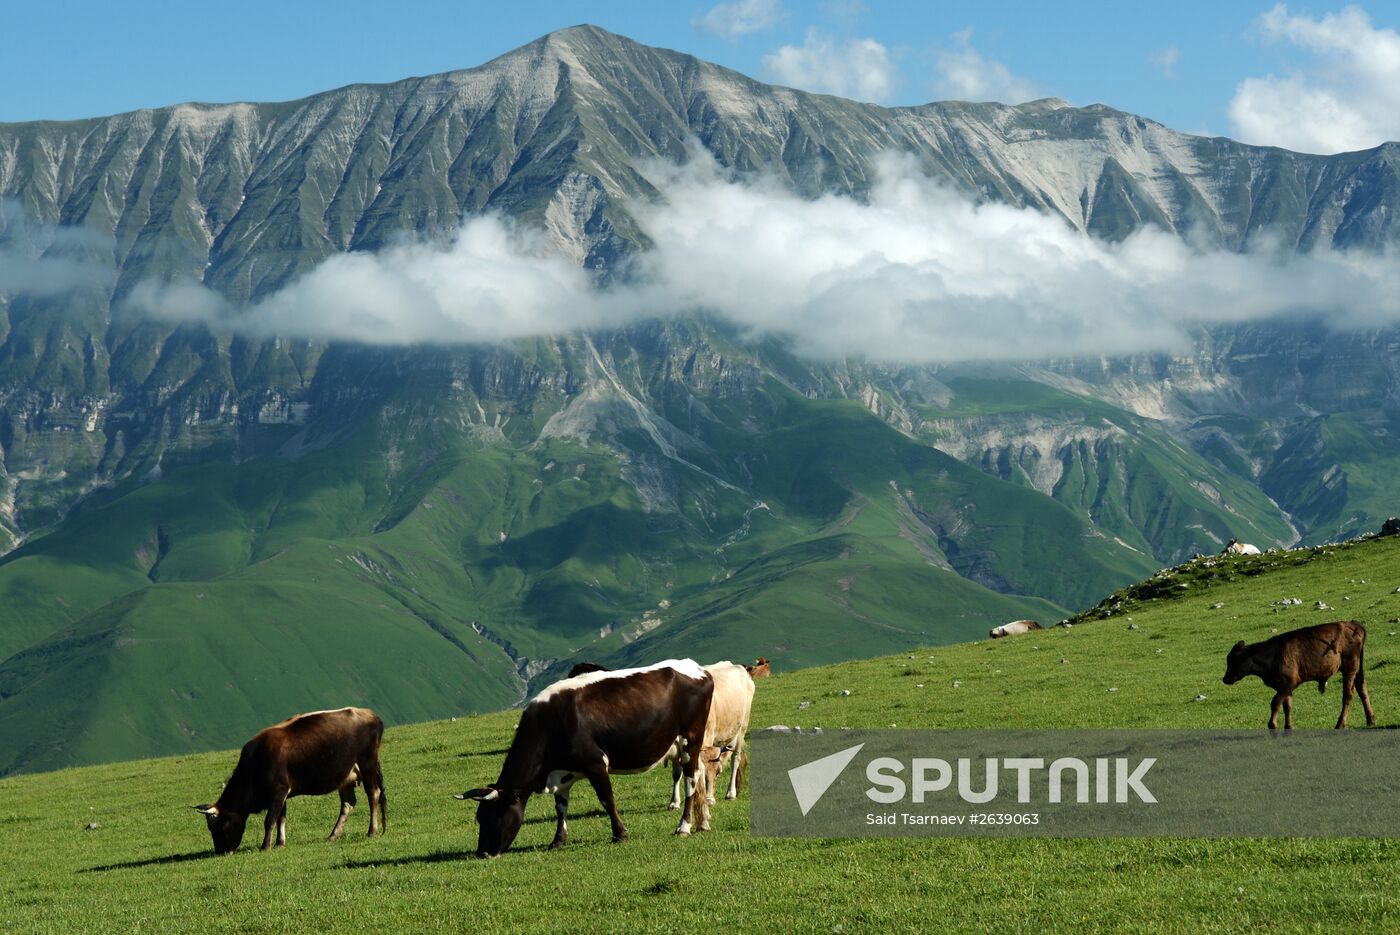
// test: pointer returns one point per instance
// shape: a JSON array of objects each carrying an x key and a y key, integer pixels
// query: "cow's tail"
[
  {"x": 1361, "y": 658},
  {"x": 383, "y": 797}
]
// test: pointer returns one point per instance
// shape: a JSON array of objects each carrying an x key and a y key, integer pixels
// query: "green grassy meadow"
[{"x": 146, "y": 868}]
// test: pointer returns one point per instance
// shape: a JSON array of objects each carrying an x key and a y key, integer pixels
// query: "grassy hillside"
[
  {"x": 443, "y": 579},
  {"x": 144, "y": 867}
]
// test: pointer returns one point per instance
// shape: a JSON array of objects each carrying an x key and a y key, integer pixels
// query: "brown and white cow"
[
  {"x": 1309, "y": 654},
  {"x": 591, "y": 727},
  {"x": 724, "y": 731},
  {"x": 310, "y": 754},
  {"x": 1236, "y": 547},
  {"x": 1014, "y": 628},
  {"x": 760, "y": 669}
]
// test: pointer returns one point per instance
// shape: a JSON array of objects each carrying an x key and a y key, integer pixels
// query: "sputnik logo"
[{"x": 811, "y": 780}]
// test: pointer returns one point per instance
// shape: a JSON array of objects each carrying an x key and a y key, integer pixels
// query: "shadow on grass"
[
  {"x": 573, "y": 816},
  {"x": 151, "y": 862},
  {"x": 437, "y": 857}
]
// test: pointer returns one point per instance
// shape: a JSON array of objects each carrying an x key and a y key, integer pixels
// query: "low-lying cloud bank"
[{"x": 917, "y": 274}]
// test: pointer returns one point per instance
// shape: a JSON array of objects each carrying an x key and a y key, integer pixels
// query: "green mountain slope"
[
  {"x": 229, "y": 593},
  {"x": 145, "y": 863},
  {"x": 1132, "y": 478}
]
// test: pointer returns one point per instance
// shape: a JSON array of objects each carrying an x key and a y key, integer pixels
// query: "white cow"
[
  {"x": 1014, "y": 628},
  {"x": 724, "y": 732},
  {"x": 1236, "y": 547}
]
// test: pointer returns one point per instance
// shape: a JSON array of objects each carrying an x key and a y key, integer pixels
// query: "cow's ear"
[
  {"x": 486, "y": 794},
  {"x": 1237, "y": 647},
  {"x": 206, "y": 809}
]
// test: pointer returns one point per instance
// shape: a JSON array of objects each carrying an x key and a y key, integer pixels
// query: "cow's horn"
[
  {"x": 206, "y": 809},
  {"x": 482, "y": 795}
]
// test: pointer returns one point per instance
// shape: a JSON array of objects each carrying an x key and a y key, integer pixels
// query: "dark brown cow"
[
  {"x": 760, "y": 669},
  {"x": 1311, "y": 654},
  {"x": 583, "y": 668},
  {"x": 310, "y": 754},
  {"x": 590, "y": 727}
]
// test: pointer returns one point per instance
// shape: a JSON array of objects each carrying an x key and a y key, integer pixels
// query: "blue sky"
[{"x": 1186, "y": 64}]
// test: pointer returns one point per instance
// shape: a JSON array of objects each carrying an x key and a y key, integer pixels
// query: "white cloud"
[
  {"x": 861, "y": 68},
  {"x": 45, "y": 260},
  {"x": 493, "y": 281},
  {"x": 1165, "y": 60},
  {"x": 916, "y": 274},
  {"x": 734, "y": 20},
  {"x": 965, "y": 75},
  {"x": 1346, "y": 98}
]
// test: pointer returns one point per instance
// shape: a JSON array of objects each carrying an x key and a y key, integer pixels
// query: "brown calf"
[
  {"x": 1311, "y": 654},
  {"x": 760, "y": 669},
  {"x": 310, "y": 754}
]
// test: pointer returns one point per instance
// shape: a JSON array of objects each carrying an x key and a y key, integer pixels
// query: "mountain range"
[{"x": 204, "y": 532}]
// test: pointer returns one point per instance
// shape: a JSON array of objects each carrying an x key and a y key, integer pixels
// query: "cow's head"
[
  {"x": 1236, "y": 664},
  {"x": 499, "y": 815},
  {"x": 225, "y": 827},
  {"x": 712, "y": 760}
]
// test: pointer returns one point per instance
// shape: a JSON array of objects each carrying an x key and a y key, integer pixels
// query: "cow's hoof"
[
  {"x": 555, "y": 844},
  {"x": 674, "y": 806},
  {"x": 619, "y": 838},
  {"x": 710, "y": 801},
  {"x": 682, "y": 834}
]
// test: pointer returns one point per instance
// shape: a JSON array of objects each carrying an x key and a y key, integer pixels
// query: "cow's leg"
[
  {"x": 1365, "y": 696},
  {"x": 1287, "y": 712},
  {"x": 282, "y": 827},
  {"x": 704, "y": 774},
  {"x": 374, "y": 789},
  {"x": 347, "y": 805},
  {"x": 695, "y": 784},
  {"x": 1273, "y": 712},
  {"x": 602, "y": 786},
  {"x": 675, "y": 782},
  {"x": 736, "y": 757},
  {"x": 691, "y": 787},
  {"x": 1348, "y": 690},
  {"x": 561, "y": 812},
  {"x": 275, "y": 811}
]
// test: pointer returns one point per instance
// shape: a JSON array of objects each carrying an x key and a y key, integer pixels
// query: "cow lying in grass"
[
  {"x": 1311, "y": 654},
  {"x": 1014, "y": 628},
  {"x": 310, "y": 754}
]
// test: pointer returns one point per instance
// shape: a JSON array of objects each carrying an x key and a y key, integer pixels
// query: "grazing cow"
[
  {"x": 310, "y": 754},
  {"x": 724, "y": 732},
  {"x": 590, "y": 727},
  {"x": 1014, "y": 628},
  {"x": 760, "y": 669},
  {"x": 1236, "y": 547},
  {"x": 1310, "y": 654},
  {"x": 583, "y": 668}
]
